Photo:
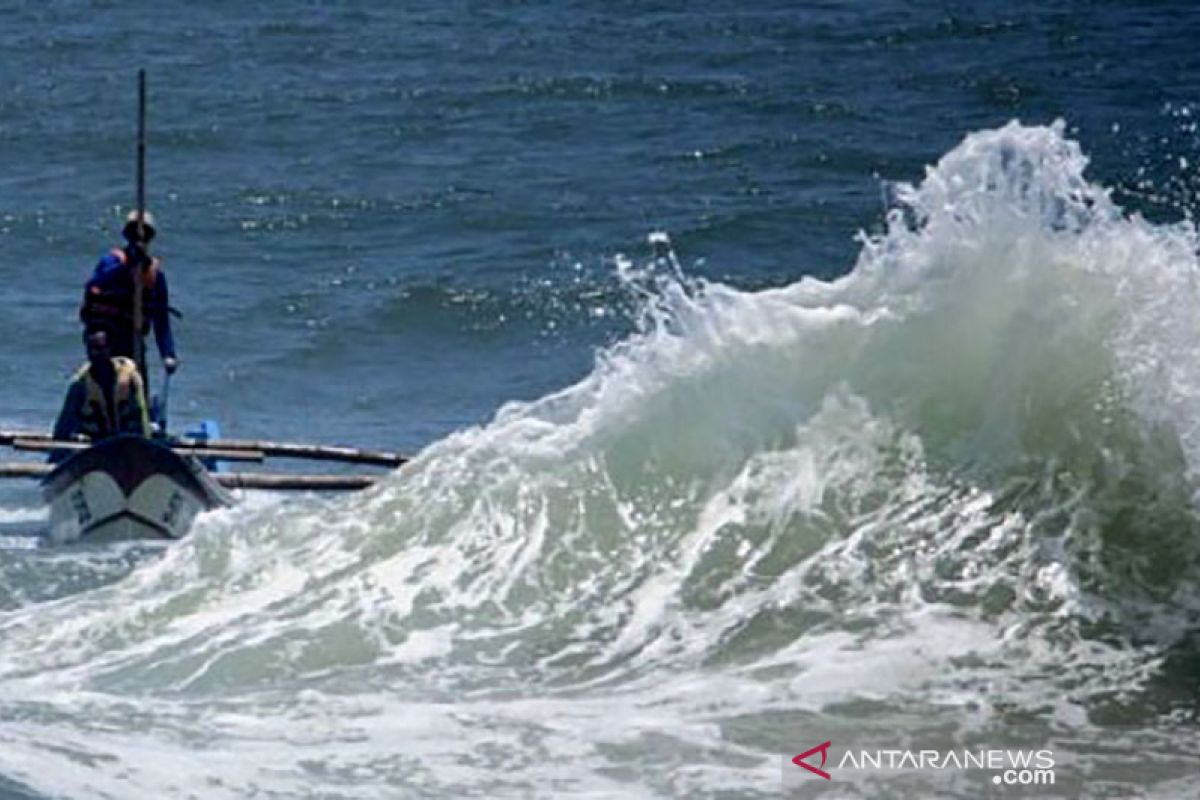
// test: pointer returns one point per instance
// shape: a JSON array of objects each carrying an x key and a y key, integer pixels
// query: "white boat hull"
[{"x": 128, "y": 488}]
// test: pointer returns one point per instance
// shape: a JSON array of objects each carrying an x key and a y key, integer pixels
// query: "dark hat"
[{"x": 130, "y": 231}]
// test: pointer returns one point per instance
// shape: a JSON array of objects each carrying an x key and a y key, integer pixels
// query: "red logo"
[{"x": 823, "y": 749}]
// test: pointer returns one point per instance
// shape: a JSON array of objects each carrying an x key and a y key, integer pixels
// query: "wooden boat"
[
  {"x": 131, "y": 487},
  {"x": 128, "y": 487}
]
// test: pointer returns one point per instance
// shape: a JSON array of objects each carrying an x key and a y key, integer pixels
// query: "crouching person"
[{"x": 106, "y": 397}]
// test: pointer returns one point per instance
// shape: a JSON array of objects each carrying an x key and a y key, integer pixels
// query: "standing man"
[{"x": 108, "y": 297}]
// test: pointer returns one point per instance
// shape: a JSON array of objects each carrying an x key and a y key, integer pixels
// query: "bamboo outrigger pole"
[
  {"x": 219, "y": 448},
  {"x": 25, "y": 469},
  {"x": 312, "y": 452},
  {"x": 282, "y": 482},
  {"x": 272, "y": 481},
  {"x": 52, "y": 446}
]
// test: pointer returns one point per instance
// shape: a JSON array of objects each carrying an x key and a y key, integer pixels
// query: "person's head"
[
  {"x": 138, "y": 234},
  {"x": 97, "y": 342}
]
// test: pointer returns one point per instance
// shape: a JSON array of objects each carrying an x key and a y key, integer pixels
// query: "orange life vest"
[{"x": 113, "y": 305}]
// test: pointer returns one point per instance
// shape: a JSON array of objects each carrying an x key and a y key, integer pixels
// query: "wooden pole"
[
  {"x": 139, "y": 346},
  {"x": 273, "y": 481},
  {"x": 313, "y": 452},
  {"x": 9, "y": 436},
  {"x": 20, "y": 469},
  {"x": 203, "y": 447},
  {"x": 286, "y": 482},
  {"x": 50, "y": 445}
]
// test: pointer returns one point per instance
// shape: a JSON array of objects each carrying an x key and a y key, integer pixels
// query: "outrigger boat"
[
  {"x": 130, "y": 487},
  {"x": 135, "y": 487}
]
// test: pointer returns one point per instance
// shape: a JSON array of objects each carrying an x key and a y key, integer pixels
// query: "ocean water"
[{"x": 774, "y": 374}]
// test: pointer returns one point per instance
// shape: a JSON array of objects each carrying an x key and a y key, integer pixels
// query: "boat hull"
[{"x": 125, "y": 488}]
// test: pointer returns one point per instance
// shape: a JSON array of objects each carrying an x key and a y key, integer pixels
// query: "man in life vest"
[
  {"x": 108, "y": 297},
  {"x": 106, "y": 397}
]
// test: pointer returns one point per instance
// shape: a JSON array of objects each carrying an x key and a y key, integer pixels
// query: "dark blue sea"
[{"x": 774, "y": 374}]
